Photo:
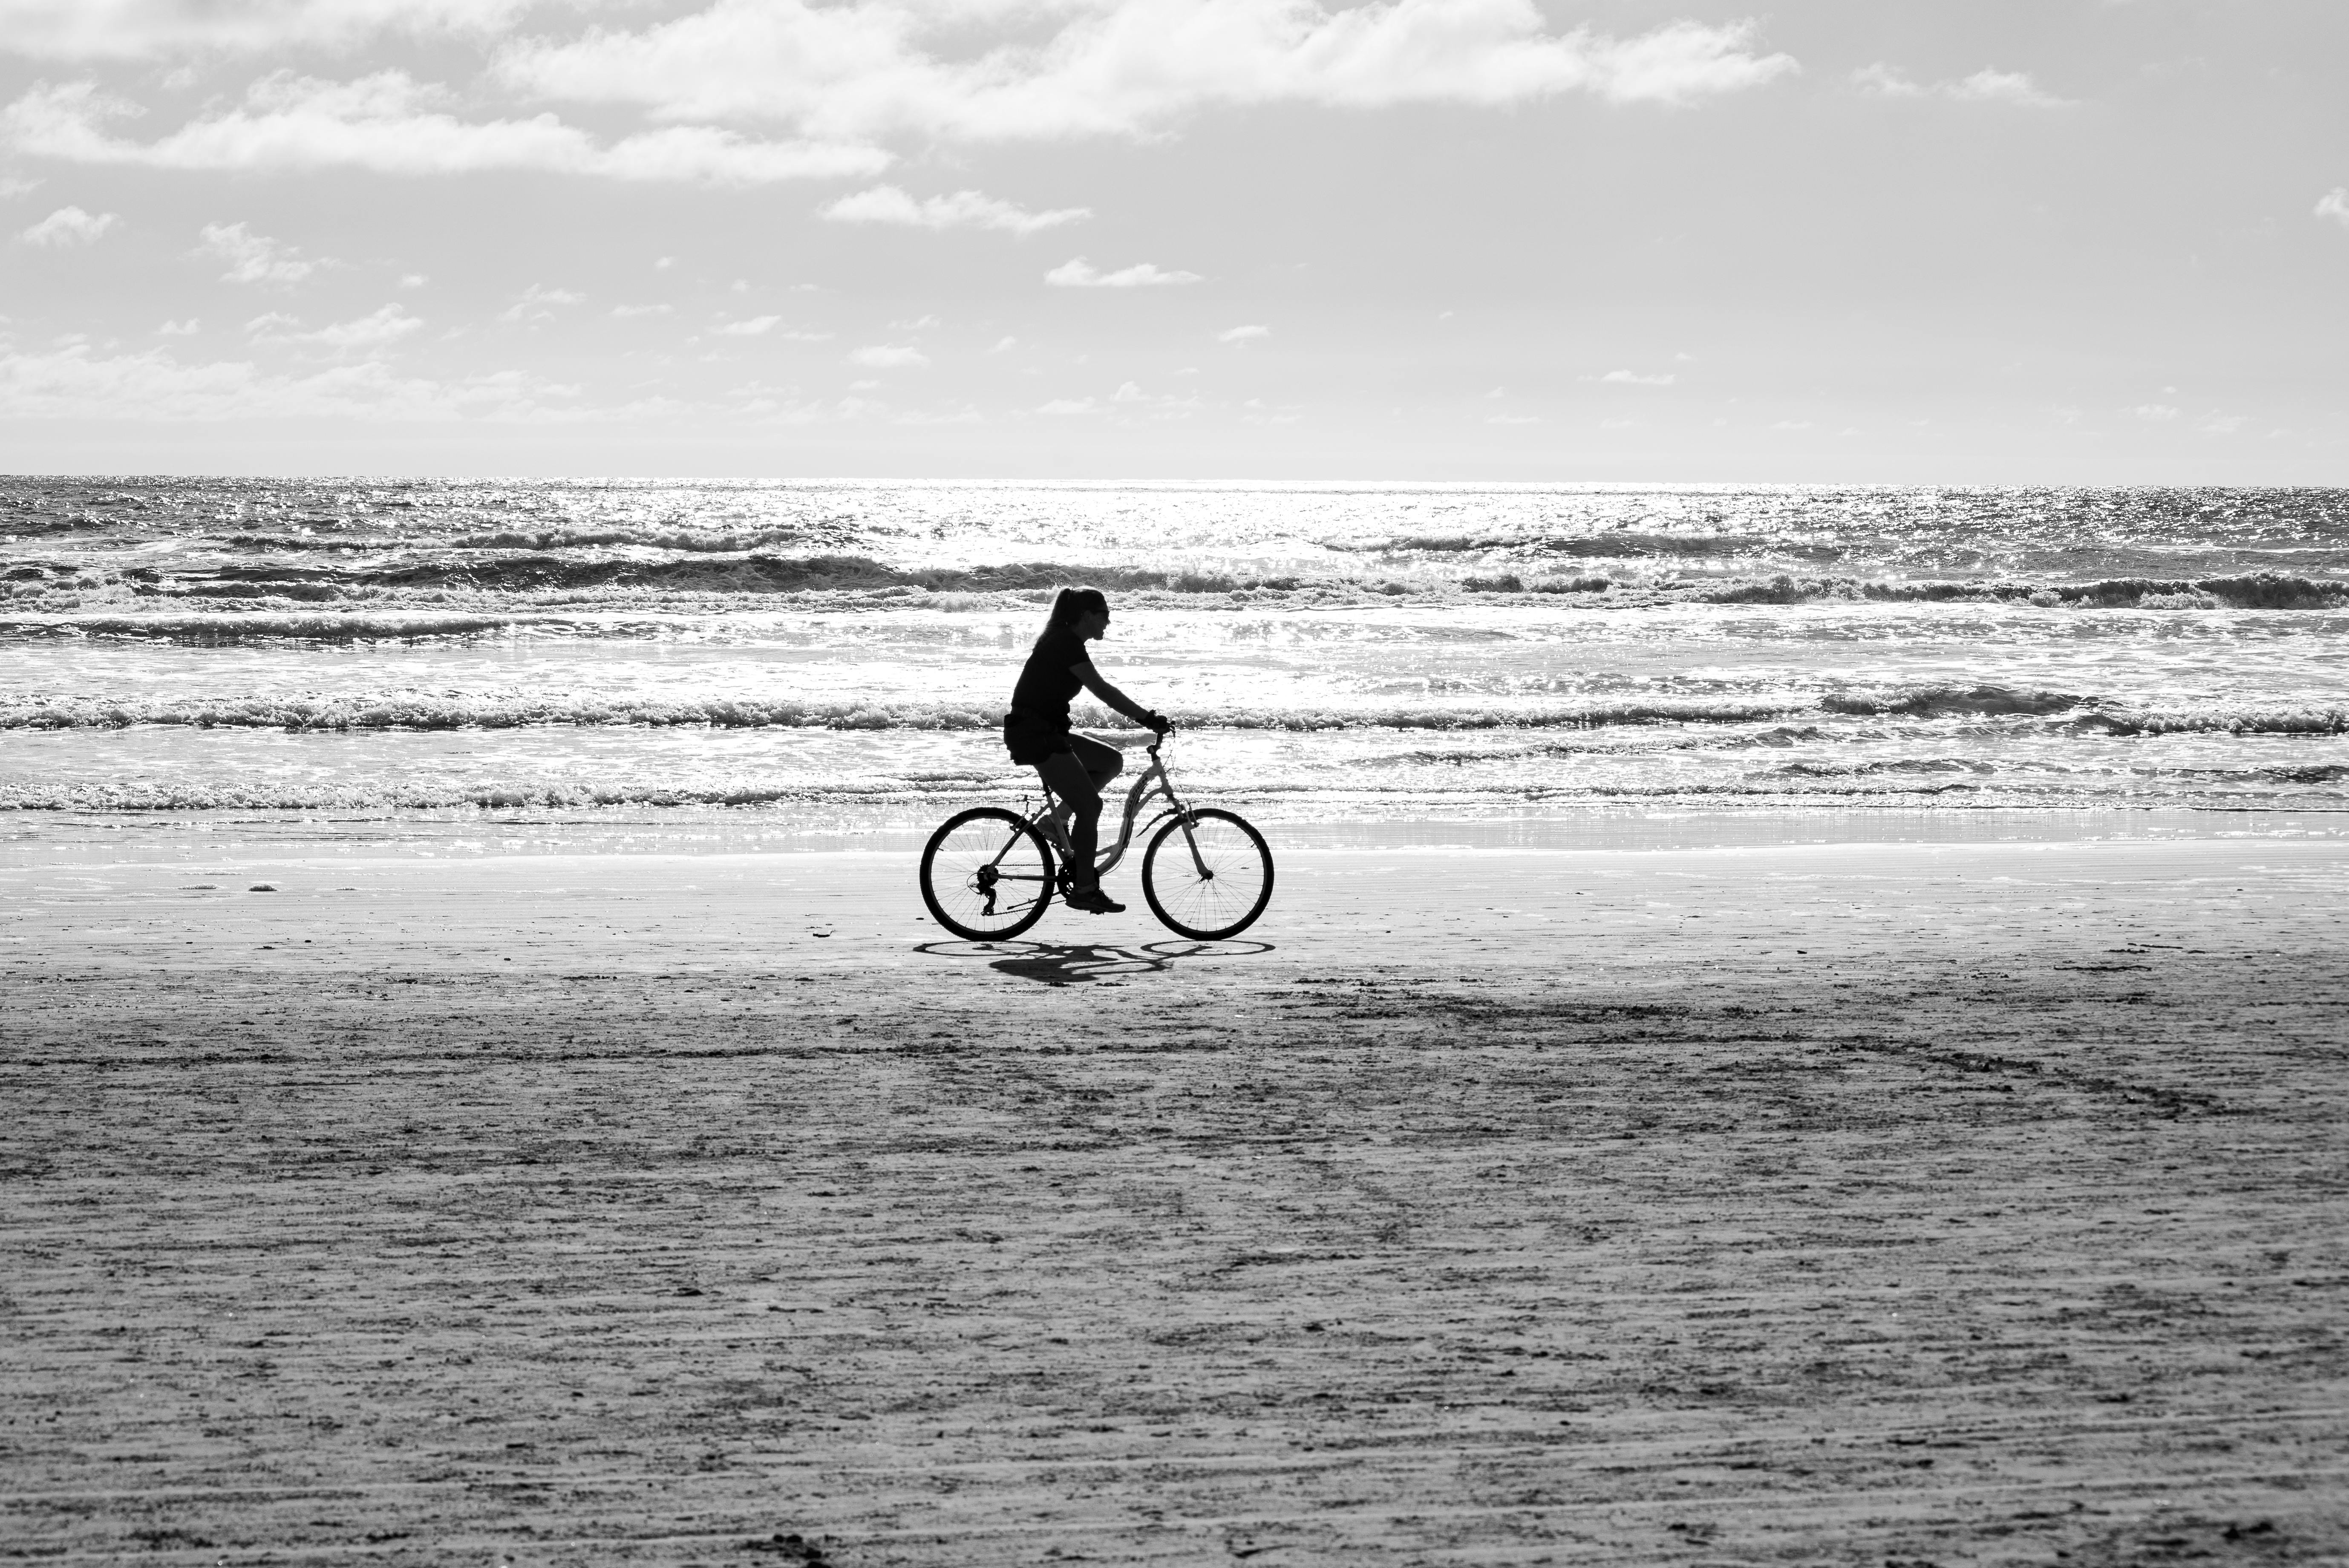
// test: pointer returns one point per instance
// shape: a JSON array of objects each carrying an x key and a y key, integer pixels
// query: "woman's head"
[{"x": 1072, "y": 605}]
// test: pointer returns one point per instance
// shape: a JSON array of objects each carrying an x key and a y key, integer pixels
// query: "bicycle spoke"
[
  {"x": 1209, "y": 876},
  {"x": 985, "y": 875}
]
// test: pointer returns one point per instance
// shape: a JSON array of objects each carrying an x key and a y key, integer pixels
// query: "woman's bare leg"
[
  {"x": 1102, "y": 763},
  {"x": 1081, "y": 803}
]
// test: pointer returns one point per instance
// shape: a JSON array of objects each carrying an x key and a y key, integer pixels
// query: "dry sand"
[{"x": 1873, "y": 1204}]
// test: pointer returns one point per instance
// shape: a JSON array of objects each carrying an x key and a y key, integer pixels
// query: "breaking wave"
[
  {"x": 438, "y": 713},
  {"x": 643, "y": 568},
  {"x": 704, "y": 542},
  {"x": 18, "y": 795},
  {"x": 2087, "y": 713},
  {"x": 2222, "y": 721},
  {"x": 441, "y": 712},
  {"x": 1613, "y": 546},
  {"x": 2262, "y": 591},
  {"x": 1786, "y": 713},
  {"x": 231, "y": 627},
  {"x": 530, "y": 571},
  {"x": 1944, "y": 702}
]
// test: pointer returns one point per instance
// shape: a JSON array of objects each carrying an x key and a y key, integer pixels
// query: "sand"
[{"x": 1863, "y": 1203}]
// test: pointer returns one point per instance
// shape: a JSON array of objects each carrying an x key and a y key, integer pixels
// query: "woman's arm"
[{"x": 1116, "y": 699}]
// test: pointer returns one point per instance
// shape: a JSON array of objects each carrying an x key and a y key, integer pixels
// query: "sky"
[{"x": 1826, "y": 241}]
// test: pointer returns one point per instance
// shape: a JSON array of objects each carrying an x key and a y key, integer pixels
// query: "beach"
[
  {"x": 1501, "y": 1197},
  {"x": 1735, "y": 625}
]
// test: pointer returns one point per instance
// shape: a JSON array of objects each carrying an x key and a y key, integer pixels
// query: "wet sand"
[{"x": 1866, "y": 1204}]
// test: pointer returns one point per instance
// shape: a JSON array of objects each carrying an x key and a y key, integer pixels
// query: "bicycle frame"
[{"x": 1153, "y": 781}]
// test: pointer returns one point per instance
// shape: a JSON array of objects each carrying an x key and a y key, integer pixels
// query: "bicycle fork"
[
  {"x": 1191, "y": 843},
  {"x": 1182, "y": 814}
]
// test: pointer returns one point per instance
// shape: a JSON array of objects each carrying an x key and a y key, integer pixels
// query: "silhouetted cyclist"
[{"x": 1036, "y": 731}]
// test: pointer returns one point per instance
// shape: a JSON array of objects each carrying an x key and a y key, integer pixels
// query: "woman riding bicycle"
[{"x": 1075, "y": 766}]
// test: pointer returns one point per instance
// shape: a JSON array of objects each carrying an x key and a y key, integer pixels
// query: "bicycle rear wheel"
[
  {"x": 986, "y": 874},
  {"x": 1207, "y": 875}
]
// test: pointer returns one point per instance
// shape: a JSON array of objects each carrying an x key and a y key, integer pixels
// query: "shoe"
[{"x": 1092, "y": 901}]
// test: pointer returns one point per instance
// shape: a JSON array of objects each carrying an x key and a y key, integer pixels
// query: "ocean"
[{"x": 791, "y": 654}]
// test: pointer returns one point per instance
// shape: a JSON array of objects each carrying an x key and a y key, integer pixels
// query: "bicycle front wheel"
[
  {"x": 1207, "y": 875},
  {"x": 986, "y": 874}
]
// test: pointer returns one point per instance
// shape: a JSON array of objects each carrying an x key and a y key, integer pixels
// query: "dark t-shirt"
[{"x": 1045, "y": 685}]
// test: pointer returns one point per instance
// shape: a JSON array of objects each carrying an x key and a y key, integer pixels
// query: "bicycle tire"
[
  {"x": 965, "y": 885},
  {"x": 1239, "y": 882}
]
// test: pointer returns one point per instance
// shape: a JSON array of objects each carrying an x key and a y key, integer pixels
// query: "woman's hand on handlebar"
[{"x": 1159, "y": 723}]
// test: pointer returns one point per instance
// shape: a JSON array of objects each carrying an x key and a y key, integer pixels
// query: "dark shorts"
[{"x": 1033, "y": 742}]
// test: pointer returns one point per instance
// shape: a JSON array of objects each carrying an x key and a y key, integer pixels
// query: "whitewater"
[{"x": 1331, "y": 652}]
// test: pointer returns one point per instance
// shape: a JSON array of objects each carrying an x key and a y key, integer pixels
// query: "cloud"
[
  {"x": 2002, "y": 87},
  {"x": 1067, "y": 406},
  {"x": 963, "y": 210},
  {"x": 2334, "y": 204},
  {"x": 143, "y": 29},
  {"x": 1631, "y": 379},
  {"x": 752, "y": 326},
  {"x": 1885, "y": 81},
  {"x": 68, "y": 226},
  {"x": 536, "y": 303},
  {"x": 1985, "y": 86},
  {"x": 625, "y": 311},
  {"x": 1080, "y": 274},
  {"x": 389, "y": 124},
  {"x": 1004, "y": 345},
  {"x": 844, "y": 75},
  {"x": 1243, "y": 333},
  {"x": 1130, "y": 401},
  {"x": 889, "y": 357},
  {"x": 2159, "y": 413},
  {"x": 11, "y": 186},
  {"x": 72, "y": 383},
  {"x": 370, "y": 334},
  {"x": 178, "y": 328},
  {"x": 866, "y": 69},
  {"x": 366, "y": 337},
  {"x": 254, "y": 258}
]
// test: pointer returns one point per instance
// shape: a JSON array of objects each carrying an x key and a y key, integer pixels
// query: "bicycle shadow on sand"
[{"x": 1084, "y": 962}]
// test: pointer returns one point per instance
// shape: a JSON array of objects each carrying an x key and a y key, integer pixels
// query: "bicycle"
[{"x": 989, "y": 873}]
